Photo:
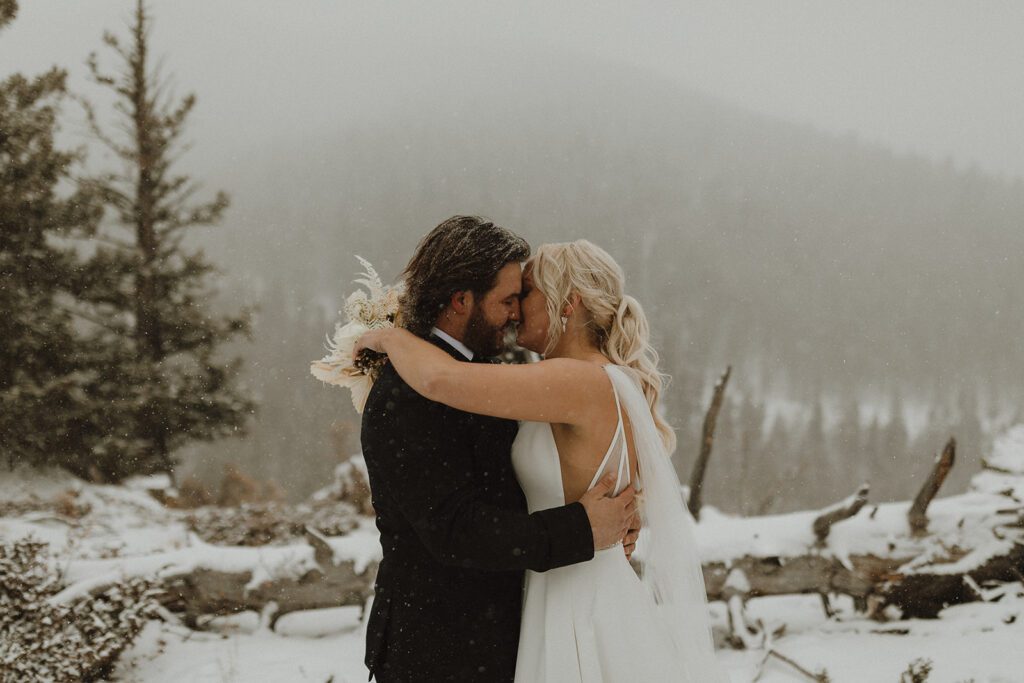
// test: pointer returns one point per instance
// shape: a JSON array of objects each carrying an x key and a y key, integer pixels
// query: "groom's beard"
[{"x": 484, "y": 338}]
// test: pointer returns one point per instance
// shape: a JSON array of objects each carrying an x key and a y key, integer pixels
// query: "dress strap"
[{"x": 621, "y": 468}]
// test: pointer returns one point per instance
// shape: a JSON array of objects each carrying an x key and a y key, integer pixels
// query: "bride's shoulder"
[
  {"x": 584, "y": 372},
  {"x": 571, "y": 365}
]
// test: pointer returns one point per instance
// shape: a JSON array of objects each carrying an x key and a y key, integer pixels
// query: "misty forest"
[{"x": 163, "y": 294}]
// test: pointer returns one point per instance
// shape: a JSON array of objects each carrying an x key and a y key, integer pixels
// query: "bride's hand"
[{"x": 372, "y": 340}]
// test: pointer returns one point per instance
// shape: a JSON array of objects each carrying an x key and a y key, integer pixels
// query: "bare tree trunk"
[
  {"x": 700, "y": 467},
  {"x": 943, "y": 464}
]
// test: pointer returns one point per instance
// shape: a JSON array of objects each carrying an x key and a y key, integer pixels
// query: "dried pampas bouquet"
[{"x": 365, "y": 310}]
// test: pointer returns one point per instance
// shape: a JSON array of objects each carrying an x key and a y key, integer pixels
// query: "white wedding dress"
[{"x": 598, "y": 621}]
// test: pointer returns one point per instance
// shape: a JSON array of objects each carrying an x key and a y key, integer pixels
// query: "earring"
[{"x": 565, "y": 321}]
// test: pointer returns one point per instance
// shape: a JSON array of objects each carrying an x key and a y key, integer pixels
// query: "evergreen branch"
[
  {"x": 98, "y": 77},
  {"x": 8, "y": 10},
  {"x": 125, "y": 122},
  {"x": 111, "y": 41},
  {"x": 94, "y": 125},
  {"x": 180, "y": 150},
  {"x": 90, "y": 318},
  {"x": 179, "y": 191},
  {"x": 180, "y": 216},
  {"x": 164, "y": 186},
  {"x": 114, "y": 242},
  {"x": 109, "y": 193},
  {"x": 171, "y": 245},
  {"x": 156, "y": 76},
  {"x": 175, "y": 120}
]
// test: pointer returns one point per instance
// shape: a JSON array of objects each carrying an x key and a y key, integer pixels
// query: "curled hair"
[
  {"x": 615, "y": 320},
  {"x": 464, "y": 253}
]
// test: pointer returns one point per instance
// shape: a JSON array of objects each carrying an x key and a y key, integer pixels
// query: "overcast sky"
[{"x": 935, "y": 77}]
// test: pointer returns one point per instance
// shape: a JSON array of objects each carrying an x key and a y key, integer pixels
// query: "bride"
[{"x": 596, "y": 392}]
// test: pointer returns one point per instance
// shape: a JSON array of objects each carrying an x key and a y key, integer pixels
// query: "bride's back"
[{"x": 587, "y": 453}]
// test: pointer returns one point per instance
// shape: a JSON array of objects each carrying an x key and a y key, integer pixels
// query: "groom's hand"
[
  {"x": 609, "y": 517},
  {"x": 633, "y": 533}
]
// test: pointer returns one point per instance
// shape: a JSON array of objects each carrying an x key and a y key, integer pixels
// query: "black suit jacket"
[{"x": 456, "y": 538}]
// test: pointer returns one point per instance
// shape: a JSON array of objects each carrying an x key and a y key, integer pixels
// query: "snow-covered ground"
[
  {"x": 983, "y": 642},
  {"x": 123, "y": 529}
]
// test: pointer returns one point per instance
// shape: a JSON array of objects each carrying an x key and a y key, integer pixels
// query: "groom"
[{"x": 454, "y": 529}]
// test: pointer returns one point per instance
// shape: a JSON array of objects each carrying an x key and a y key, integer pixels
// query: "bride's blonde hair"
[{"x": 615, "y": 320}]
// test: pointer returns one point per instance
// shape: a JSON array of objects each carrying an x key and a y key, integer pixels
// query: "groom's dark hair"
[{"x": 464, "y": 253}]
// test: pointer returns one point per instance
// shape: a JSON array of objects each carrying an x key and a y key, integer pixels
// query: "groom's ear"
[{"x": 462, "y": 302}]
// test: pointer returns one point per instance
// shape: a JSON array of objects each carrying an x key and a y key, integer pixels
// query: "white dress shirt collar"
[{"x": 459, "y": 346}]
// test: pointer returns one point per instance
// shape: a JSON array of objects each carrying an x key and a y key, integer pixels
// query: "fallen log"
[
  {"x": 970, "y": 540},
  {"x": 775, "y": 575},
  {"x": 211, "y": 592},
  {"x": 873, "y": 582},
  {"x": 924, "y": 593},
  {"x": 219, "y": 580}
]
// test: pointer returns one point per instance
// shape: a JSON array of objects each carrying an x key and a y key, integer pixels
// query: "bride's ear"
[{"x": 574, "y": 302}]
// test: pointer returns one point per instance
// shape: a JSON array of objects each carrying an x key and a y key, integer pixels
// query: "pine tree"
[
  {"x": 41, "y": 373},
  {"x": 163, "y": 382}
]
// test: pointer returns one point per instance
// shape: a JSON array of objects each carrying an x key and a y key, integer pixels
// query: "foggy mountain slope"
[
  {"x": 812, "y": 263},
  {"x": 796, "y": 220}
]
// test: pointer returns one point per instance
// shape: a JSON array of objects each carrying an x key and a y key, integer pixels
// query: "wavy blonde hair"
[{"x": 616, "y": 321}]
